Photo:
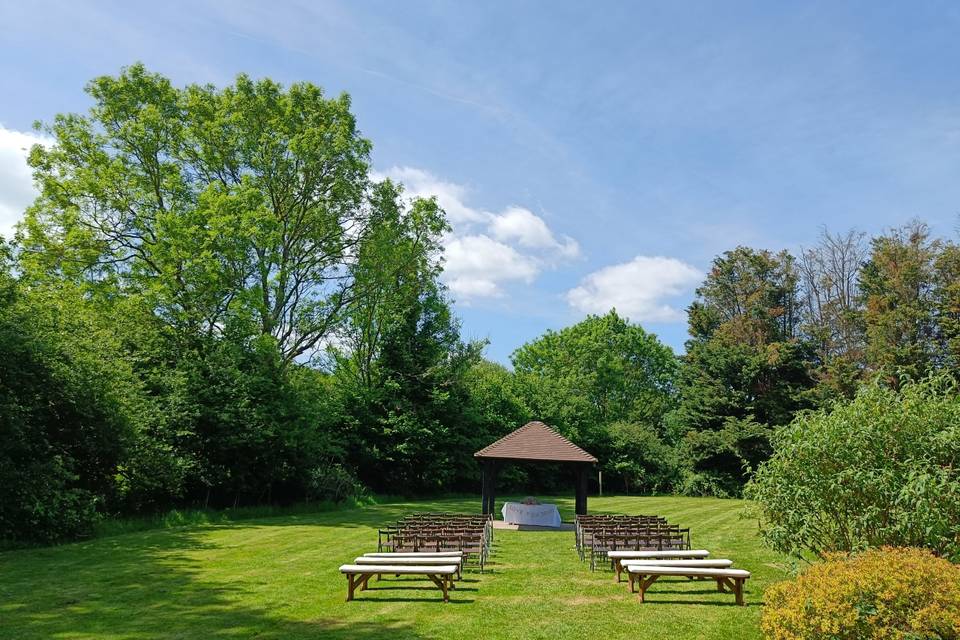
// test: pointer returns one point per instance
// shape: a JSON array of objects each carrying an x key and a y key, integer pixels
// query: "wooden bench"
[
  {"x": 410, "y": 562},
  {"x": 358, "y": 575},
  {"x": 643, "y": 576},
  {"x": 617, "y": 557}
]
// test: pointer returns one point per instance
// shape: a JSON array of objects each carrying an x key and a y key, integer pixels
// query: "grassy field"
[{"x": 278, "y": 578}]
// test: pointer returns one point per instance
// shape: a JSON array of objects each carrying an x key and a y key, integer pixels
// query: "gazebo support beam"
[
  {"x": 489, "y": 486},
  {"x": 582, "y": 480}
]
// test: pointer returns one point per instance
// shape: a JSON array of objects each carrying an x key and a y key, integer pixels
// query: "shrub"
[
  {"x": 878, "y": 470},
  {"x": 720, "y": 462},
  {"x": 334, "y": 483},
  {"x": 641, "y": 459},
  {"x": 889, "y": 593},
  {"x": 65, "y": 400}
]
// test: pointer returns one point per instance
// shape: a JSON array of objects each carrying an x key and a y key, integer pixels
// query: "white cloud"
[
  {"x": 423, "y": 184},
  {"x": 529, "y": 230},
  {"x": 486, "y": 249},
  {"x": 477, "y": 264},
  {"x": 16, "y": 182},
  {"x": 638, "y": 289}
]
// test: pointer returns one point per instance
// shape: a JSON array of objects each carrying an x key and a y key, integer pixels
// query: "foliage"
[
  {"x": 889, "y": 593},
  {"x": 832, "y": 315},
  {"x": 599, "y": 371},
  {"x": 243, "y": 202},
  {"x": 746, "y": 369},
  {"x": 947, "y": 296},
  {"x": 880, "y": 470},
  {"x": 400, "y": 362},
  {"x": 331, "y": 482},
  {"x": 66, "y": 407},
  {"x": 898, "y": 286},
  {"x": 720, "y": 461},
  {"x": 641, "y": 459}
]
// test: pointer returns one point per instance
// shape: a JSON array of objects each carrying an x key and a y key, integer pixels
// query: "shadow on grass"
[
  {"x": 388, "y": 513},
  {"x": 651, "y": 601},
  {"x": 152, "y": 587}
]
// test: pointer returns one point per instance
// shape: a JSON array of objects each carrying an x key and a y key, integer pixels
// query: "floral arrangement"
[{"x": 530, "y": 500}]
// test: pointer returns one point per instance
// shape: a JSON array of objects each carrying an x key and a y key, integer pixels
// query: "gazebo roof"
[{"x": 535, "y": 441}]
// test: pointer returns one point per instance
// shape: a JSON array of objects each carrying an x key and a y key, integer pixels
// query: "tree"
[
  {"x": 747, "y": 368},
  {"x": 947, "y": 296},
  {"x": 832, "y": 310},
  {"x": 641, "y": 459},
  {"x": 399, "y": 358},
  {"x": 899, "y": 298},
  {"x": 599, "y": 371},
  {"x": 214, "y": 204},
  {"x": 750, "y": 297}
]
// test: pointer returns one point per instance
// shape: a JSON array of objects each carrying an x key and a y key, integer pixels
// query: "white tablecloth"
[{"x": 543, "y": 515}]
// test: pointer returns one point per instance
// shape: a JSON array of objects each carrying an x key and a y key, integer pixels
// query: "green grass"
[{"x": 277, "y": 578}]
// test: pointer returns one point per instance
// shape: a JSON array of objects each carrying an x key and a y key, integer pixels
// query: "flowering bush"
[{"x": 888, "y": 593}]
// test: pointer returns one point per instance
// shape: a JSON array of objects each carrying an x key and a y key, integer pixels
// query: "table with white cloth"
[{"x": 541, "y": 515}]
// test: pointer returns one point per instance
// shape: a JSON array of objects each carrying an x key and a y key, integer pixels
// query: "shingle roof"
[{"x": 535, "y": 441}]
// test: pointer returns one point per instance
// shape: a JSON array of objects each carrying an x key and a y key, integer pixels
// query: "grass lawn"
[{"x": 278, "y": 578}]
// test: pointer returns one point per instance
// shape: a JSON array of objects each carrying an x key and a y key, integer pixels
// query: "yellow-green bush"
[{"x": 888, "y": 593}]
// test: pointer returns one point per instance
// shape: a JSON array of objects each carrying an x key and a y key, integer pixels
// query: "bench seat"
[
  {"x": 676, "y": 554},
  {"x": 431, "y": 561},
  {"x": 409, "y": 561},
  {"x": 617, "y": 557},
  {"x": 717, "y": 563},
  {"x": 358, "y": 575},
  {"x": 643, "y": 576},
  {"x": 414, "y": 554}
]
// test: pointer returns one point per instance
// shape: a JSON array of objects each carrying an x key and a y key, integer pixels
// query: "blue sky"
[{"x": 590, "y": 154}]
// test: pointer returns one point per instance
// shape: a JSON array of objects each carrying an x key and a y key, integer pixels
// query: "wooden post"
[
  {"x": 483, "y": 488},
  {"x": 492, "y": 488},
  {"x": 489, "y": 486},
  {"x": 581, "y": 501}
]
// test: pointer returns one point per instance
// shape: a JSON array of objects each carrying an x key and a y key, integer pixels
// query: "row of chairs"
[
  {"x": 440, "y": 532},
  {"x": 598, "y": 535}
]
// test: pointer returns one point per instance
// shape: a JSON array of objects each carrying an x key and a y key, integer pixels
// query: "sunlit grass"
[{"x": 277, "y": 578}]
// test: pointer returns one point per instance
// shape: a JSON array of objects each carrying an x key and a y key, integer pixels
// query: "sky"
[{"x": 589, "y": 155}]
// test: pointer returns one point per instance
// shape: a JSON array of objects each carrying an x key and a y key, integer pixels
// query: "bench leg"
[
  {"x": 738, "y": 590},
  {"x": 365, "y": 579},
  {"x": 720, "y": 585},
  {"x": 351, "y": 585},
  {"x": 618, "y": 568},
  {"x": 645, "y": 583},
  {"x": 442, "y": 583},
  {"x": 633, "y": 582}
]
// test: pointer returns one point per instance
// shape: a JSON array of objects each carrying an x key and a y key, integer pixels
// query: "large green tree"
[{"x": 242, "y": 203}]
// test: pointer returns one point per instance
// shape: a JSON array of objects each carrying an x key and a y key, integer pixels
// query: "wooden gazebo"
[{"x": 533, "y": 442}]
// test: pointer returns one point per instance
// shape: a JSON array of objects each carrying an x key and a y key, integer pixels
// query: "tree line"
[{"x": 213, "y": 303}]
